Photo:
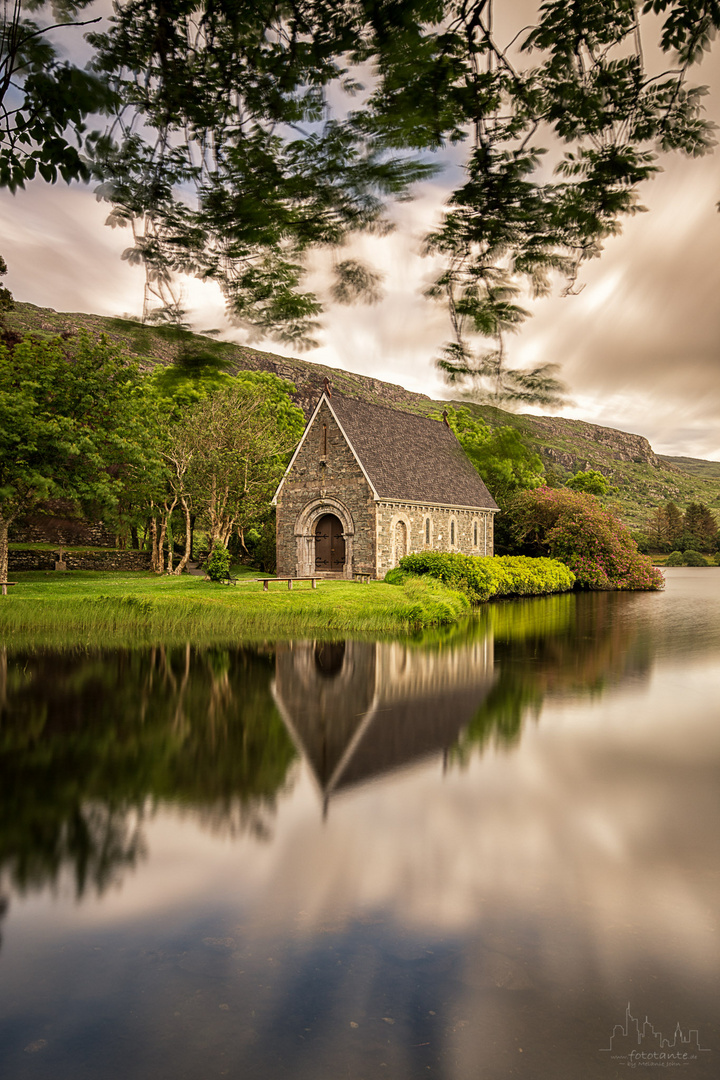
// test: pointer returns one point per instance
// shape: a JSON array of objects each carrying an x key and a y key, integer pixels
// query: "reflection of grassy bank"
[{"x": 138, "y": 608}]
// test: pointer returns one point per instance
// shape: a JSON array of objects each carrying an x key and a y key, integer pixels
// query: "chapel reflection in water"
[{"x": 358, "y": 710}]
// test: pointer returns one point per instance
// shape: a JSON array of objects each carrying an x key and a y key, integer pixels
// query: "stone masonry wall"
[
  {"x": 392, "y": 539},
  {"x": 325, "y": 470},
  {"x": 79, "y": 560},
  {"x": 60, "y": 528}
]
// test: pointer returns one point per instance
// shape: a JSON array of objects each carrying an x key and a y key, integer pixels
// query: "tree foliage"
[
  {"x": 574, "y": 528},
  {"x": 70, "y": 425},
  {"x": 590, "y": 481},
  {"x": 501, "y": 456},
  {"x": 242, "y": 437},
  {"x": 244, "y": 135},
  {"x": 697, "y": 528},
  {"x": 232, "y": 102},
  {"x": 6, "y": 297},
  {"x": 563, "y": 125},
  {"x": 44, "y": 100},
  {"x": 700, "y": 527}
]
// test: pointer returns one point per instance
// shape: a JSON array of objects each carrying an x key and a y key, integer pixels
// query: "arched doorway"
[{"x": 329, "y": 544}]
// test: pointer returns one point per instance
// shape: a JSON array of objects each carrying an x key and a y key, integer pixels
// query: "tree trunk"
[
  {"x": 160, "y": 569},
  {"x": 4, "y": 523},
  {"x": 161, "y": 538},
  {"x": 188, "y": 536},
  {"x": 155, "y": 557}
]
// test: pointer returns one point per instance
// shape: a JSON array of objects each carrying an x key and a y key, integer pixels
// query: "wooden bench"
[
  {"x": 266, "y": 581},
  {"x": 5, "y": 584},
  {"x": 228, "y": 579}
]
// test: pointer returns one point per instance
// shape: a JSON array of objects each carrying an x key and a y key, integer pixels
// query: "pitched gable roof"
[{"x": 406, "y": 456}]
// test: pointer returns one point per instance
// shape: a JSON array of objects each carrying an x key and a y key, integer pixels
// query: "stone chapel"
[{"x": 368, "y": 484}]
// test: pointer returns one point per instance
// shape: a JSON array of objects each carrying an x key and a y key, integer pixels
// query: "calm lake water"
[{"x": 489, "y": 853}]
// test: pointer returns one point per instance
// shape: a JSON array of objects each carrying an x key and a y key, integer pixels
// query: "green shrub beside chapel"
[{"x": 482, "y": 577}]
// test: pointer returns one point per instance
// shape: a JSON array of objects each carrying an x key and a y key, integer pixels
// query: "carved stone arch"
[{"x": 305, "y": 534}]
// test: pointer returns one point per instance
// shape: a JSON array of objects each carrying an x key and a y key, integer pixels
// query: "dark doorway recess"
[
  {"x": 329, "y": 658},
  {"x": 329, "y": 544}
]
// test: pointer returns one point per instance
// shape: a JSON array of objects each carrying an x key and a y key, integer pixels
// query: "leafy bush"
[
  {"x": 480, "y": 577},
  {"x": 591, "y": 482},
  {"x": 694, "y": 558},
  {"x": 573, "y": 527},
  {"x": 675, "y": 559},
  {"x": 396, "y": 576},
  {"x": 219, "y": 562},
  {"x": 260, "y": 545}
]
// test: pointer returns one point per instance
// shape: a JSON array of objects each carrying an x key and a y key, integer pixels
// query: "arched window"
[
  {"x": 475, "y": 534},
  {"x": 427, "y": 530},
  {"x": 452, "y": 533},
  {"x": 401, "y": 544}
]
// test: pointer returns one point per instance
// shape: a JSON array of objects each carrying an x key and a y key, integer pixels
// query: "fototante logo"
[{"x": 639, "y": 1046}]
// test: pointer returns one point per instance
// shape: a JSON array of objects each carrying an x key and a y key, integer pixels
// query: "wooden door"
[{"x": 329, "y": 544}]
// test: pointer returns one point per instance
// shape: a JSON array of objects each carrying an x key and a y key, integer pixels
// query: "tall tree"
[
  {"x": 673, "y": 520},
  {"x": 241, "y": 438},
  {"x": 501, "y": 456},
  {"x": 700, "y": 526},
  {"x": 505, "y": 462},
  {"x": 69, "y": 426}
]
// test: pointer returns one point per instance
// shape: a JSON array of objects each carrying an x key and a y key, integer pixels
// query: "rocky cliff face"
[{"x": 576, "y": 444}]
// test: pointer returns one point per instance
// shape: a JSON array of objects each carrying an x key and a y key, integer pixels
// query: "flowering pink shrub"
[{"x": 573, "y": 527}]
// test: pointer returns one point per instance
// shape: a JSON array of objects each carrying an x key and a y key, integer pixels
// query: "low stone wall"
[{"x": 80, "y": 560}]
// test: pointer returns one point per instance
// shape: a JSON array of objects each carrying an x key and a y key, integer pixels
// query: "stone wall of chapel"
[
  {"x": 415, "y": 516},
  {"x": 326, "y": 467}
]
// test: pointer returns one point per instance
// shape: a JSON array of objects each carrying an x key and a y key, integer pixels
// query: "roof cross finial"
[
  {"x": 445, "y": 418},
  {"x": 328, "y": 387}
]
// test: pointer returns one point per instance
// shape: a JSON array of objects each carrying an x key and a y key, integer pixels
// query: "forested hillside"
[{"x": 642, "y": 478}]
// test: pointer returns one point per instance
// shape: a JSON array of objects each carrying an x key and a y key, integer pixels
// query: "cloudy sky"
[{"x": 639, "y": 346}]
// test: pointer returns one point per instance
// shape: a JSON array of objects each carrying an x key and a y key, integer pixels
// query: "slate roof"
[{"x": 410, "y": 457}]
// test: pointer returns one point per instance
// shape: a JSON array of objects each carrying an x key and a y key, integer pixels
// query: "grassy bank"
[{"x": 138, "y": 608}]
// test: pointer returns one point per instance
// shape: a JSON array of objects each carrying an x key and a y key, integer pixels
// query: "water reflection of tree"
[
  {"x": 553, "y": 647},
  {"x": 82, "y": 766}
]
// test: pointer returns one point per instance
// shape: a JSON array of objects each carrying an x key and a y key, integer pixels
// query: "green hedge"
[{"x": 482, "y": 577}]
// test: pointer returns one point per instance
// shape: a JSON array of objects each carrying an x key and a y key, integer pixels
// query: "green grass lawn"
[{"x": 93, "y": 607}]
